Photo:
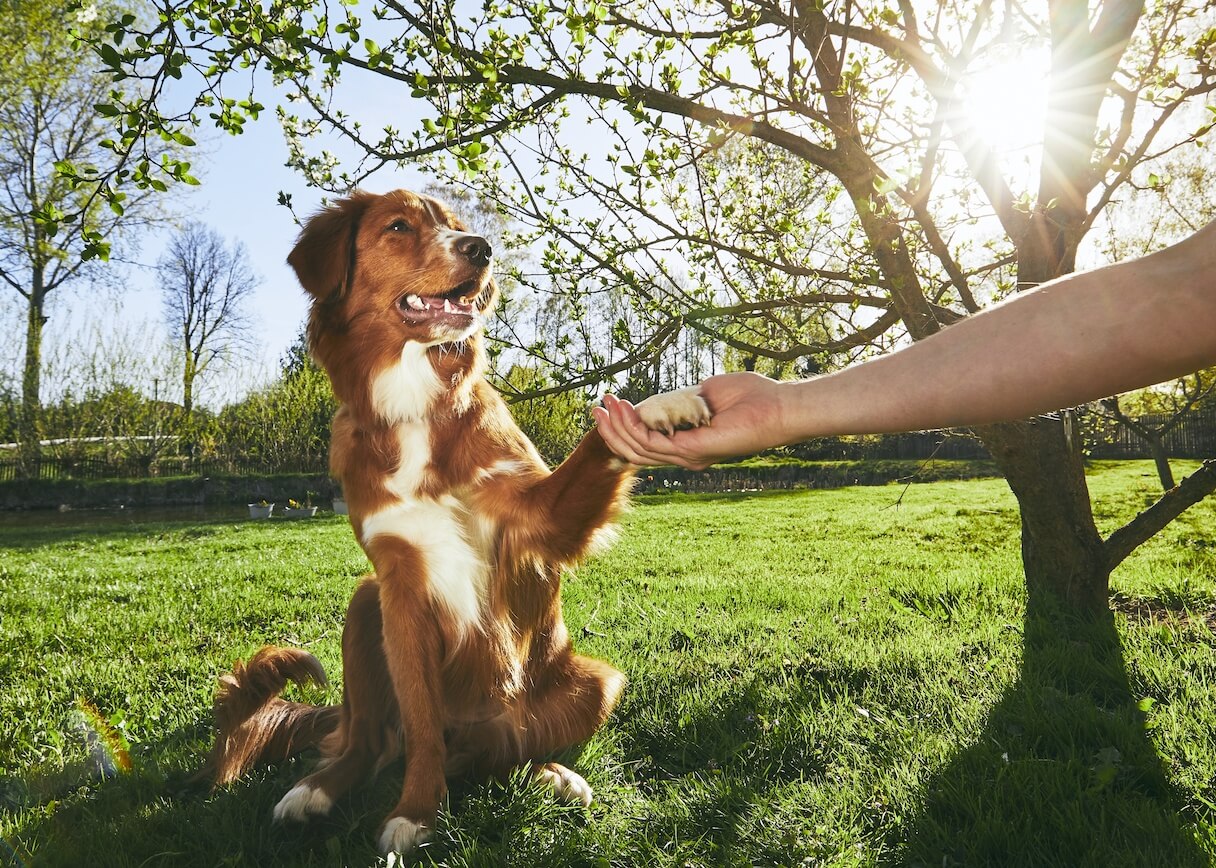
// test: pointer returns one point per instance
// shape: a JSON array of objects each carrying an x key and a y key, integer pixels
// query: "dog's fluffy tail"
[{"x": 253, "y": 725}]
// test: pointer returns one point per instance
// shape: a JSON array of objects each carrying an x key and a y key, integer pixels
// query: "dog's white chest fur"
[{"x": 453, "y": 547}]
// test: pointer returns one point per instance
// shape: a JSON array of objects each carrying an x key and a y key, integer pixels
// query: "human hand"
[{"x": 747, "y": 417}]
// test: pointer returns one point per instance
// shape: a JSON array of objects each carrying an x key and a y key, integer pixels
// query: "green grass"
[{"x": 843, "y": 677}]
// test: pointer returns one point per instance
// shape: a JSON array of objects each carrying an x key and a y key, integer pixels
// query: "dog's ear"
[{"x": 324, "y": 255}]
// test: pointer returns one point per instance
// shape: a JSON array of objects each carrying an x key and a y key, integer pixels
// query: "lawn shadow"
[
  {"x": 156, "y": 814},
  {"x": 1064, "y": 772}
]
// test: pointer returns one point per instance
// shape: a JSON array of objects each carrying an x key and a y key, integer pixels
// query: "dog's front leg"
[
  {"x": 583, "y": 494},
  {"x": 413, "y": 649}
]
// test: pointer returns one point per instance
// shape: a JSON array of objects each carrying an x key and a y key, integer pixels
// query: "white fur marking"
[
  {"x": 457, "y": 575},
  {"x": 506, "y": 467},
  {"x": 414, "y": 441},
  {"x": 567, "y": 786},
  {"x": 403, "y": 836},
  {"x": 676, "y": 409},
  {"x": 403, "y": 391},
  {"x": 301, "y": 802}
]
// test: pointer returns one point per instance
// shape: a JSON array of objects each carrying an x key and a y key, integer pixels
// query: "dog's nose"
[{"x": 476, "y": 249}]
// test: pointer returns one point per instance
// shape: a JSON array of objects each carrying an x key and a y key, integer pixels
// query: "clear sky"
[{"x": 241, "y": 180}]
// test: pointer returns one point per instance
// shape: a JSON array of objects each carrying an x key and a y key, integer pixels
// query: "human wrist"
[
  {"x": 822, "y": 406},
  {"x": 794, "y": 416}
]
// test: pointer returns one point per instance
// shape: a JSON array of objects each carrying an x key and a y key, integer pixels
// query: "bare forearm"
[{"x": 1075, "y": 340}]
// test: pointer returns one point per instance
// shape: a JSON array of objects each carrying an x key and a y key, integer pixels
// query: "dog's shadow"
[
  {"x": 152, "y": 816},
  {"x": 1064, "y": 772}
]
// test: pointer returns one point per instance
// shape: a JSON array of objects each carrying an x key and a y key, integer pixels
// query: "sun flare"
[{"x": 1006, "y": 101}]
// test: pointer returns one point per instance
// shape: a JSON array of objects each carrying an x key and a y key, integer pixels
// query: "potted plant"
[
  {"x": 295, "y": 509},
  {"x": 261, "y": 509}
]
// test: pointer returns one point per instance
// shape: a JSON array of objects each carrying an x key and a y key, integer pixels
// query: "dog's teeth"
[
  {"x": 447, "y": 306},
  {"x": 464, "y": 300},
  {"x": 415, "y": 302}
]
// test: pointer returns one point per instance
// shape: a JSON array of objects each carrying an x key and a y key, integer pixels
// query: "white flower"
[{"x": 86, "y": 14}]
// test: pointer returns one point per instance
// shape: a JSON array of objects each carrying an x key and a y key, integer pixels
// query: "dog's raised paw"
[
  {"x": 403, "y": 835},
  {"x": 301, "y": 802},
  {"x": 566, "y": 786},
  {"x": 675, "y": 411}
]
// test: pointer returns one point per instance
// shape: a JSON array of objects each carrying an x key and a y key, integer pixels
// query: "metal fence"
[
  {"x": 100, "y": 468},
  {"x": 1194, "y": 437}
]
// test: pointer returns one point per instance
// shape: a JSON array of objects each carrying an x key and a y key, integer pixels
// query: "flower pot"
[
  {"x": 340, "y": 507},
  {"x": 299, "y": 512},
  {"x": 260, "y": 510}
]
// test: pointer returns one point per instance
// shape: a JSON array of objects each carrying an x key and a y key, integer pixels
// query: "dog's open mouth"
[{"x": 460, "y": 301}]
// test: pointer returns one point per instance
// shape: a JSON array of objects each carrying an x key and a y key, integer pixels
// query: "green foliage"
[
  {"x": 285, "y": 425},
  {"x": 118, "y": 424},
  {"x": 816, "y": 678},
  {"x": 554, "y": 422},
  {"x": 780, "y": 186},
  {"x": 1195, "y": 392}
]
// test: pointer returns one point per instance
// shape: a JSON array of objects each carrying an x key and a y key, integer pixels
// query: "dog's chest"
[{"x": 456, "y": 545}]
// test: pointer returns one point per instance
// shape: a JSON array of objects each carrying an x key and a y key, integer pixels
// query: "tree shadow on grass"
[{"x": 1064, "y": 772}]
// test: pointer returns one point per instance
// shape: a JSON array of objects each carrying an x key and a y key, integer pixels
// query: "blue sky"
[{"x": 241, "y": 180}]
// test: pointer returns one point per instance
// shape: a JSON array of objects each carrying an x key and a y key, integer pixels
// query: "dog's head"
[{"x": 399, "y": 290}]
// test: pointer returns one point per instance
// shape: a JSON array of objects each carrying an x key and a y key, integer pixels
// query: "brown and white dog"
[{"x": 454, "y": 651}]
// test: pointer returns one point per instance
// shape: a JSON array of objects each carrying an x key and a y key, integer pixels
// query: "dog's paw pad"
[
  {"x": 301, "y": 802},
  {"x": 674, "y": 411},
  {"x": 402, "y": 835},
  {"x": 566, "y": 786}
]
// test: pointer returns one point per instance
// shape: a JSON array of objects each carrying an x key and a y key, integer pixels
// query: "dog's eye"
[{"x": 400, "y": 226}]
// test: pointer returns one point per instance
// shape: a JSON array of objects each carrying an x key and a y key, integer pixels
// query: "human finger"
[{"x": 654, "y": 447}]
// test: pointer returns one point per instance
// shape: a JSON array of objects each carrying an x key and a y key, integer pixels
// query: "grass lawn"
[{"x": 840, "y": 677}]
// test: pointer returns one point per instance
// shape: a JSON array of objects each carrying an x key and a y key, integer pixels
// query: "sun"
[{"x": 1005, "y": 101}]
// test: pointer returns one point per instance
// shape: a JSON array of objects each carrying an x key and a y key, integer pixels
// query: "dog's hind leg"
[
  {"x": 368, "y": 737},
  {"x": 566, "y": 705}
]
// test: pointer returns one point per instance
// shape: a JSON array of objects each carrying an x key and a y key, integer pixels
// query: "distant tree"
[
  {"x": 283, "y": 427},
  {"x": 297, "y": 360},
  {"x": 206, "y": 286},
  {"x": 61, "y": 205}
]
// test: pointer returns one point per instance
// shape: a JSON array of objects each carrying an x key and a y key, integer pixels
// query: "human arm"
[{"x": 1076, "y": 339}]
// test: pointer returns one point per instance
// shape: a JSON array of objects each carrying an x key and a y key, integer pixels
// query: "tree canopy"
[
  {"x": 64, "y": 196},
  {"x": 796, "y": 181}
]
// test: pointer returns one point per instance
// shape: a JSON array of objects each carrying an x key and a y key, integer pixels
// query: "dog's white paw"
[
  {"x": 567, "y": 786},
  {"x": 402, "y": 835},
  {"x": 673, "y": 411},
  {"x": 301, "y": 802}
]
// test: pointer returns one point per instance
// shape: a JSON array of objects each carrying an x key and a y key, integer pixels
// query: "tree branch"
[{"x": 1172, "y": 504}]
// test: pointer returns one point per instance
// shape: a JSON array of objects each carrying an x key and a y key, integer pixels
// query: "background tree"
[
  {"x": 53, "y": 224},
  {"x": 206, "y": 286},
  {"x": 915, "y": 216},
  {"x": 285, "y": 425},
  {"x": 1169, "y": 202}
]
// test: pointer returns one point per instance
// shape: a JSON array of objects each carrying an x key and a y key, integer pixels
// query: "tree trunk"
[
  {"x": 30, "y": 428},
  {"x": 188, "y": 381},
  {"x": 1156, "y": 447},
  {"x": 1062, "y": 551}
]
